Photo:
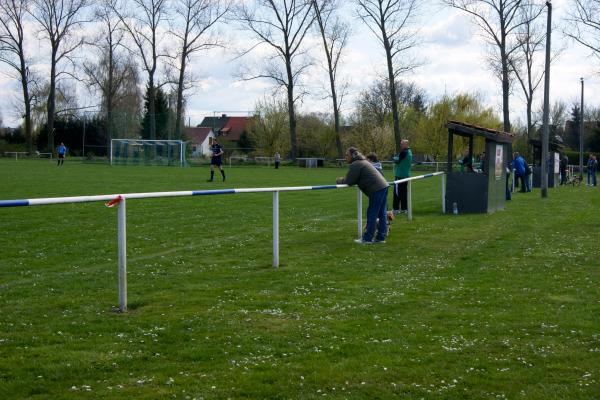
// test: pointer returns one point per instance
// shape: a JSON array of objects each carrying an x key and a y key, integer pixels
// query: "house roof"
[
  {"x": 197, "y": 135},
  {"x": 230, "y": 128},
  {"x": 234, "y": 128},
  {"x": 463, "y": 129},
  {"x": 214, "y": 123}
]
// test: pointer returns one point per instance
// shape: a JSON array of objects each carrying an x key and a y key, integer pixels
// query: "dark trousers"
[
  {"x": 563, "y": 177},
  {"x": 400, "y": 195},
  {"x": 377, "y": 209}
]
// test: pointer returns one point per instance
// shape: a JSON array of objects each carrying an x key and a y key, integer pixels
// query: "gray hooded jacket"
[{"x": 363, "y": 174}]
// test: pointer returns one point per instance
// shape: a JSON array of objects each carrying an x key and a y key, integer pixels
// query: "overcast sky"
[{"x": 453, "y": 58}]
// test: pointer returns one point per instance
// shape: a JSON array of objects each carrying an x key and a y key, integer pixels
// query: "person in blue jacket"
[
  {"x": 61, "y": 151},
  {"x": 519, "y": 166}
]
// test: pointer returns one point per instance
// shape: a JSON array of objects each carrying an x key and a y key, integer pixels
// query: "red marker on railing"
[{"x": 114, "y": 201}]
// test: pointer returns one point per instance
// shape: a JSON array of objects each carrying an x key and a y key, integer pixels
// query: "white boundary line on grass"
[{"x": 121, "y": 199}]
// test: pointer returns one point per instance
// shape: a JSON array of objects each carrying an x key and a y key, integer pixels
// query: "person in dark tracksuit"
[
  {"x": 592, "y": 168},
  {"x": 216, "y": 152},
  {"x": 402, "y": 166},
  {"x": 373, "y": 184},
  {"x": 564, "y": 163}
]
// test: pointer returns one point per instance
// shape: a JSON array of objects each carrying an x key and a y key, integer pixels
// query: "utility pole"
[
  {"x": 581, "y": 133},
  {"x": 546, "y": 117},
  {"x": 83, "y": 141}
]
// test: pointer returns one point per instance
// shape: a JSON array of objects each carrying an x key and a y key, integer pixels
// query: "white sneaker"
[{"x": 360, "y": 241}]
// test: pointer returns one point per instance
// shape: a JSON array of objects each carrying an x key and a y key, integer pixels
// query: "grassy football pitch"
[{"x": 494, "y": 306}]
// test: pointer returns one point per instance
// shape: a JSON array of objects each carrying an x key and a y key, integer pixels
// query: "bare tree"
[
  {"x": 584, "y": 25},
  {"x": 334, "y": 33},
  {"x": 498, "y": 21},
  {"x": 391, "y": 21},
  {"x": 192, "y": 28},
  {"x": 281, "y": 26},
  {"x": 109, "y": 72},
  {"x": 142, "y": 19},
  {"x": 59, "y": 21},
  {"x": 531, "y": 40},
  {"x": 12, "y": 53}
]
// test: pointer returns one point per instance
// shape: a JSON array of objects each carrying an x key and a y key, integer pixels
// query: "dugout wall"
[{"x": 480, "y": 191}]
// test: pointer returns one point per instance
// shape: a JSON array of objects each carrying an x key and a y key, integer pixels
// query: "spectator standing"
[
  {"x": 592, "y": 169},
  {"x": 564, "y": 162},
  {"x": 277, "y": 160},
  {"x": 519, "y": 166},
  {"x": 372, "y": 184},
  {"x": 61, "y": 151},
  {"x": 402, "y": 166},
  {"x": 372, "y": 157},
  {"x": 215, "y": 158},
  {"x": 467, "y": 162}
]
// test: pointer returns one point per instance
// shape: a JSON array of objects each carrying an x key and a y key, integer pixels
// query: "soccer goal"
[{"x": 147, "y": 152}]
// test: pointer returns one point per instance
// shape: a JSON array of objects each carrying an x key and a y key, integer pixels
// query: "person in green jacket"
[{"x": 402, "y": 165}]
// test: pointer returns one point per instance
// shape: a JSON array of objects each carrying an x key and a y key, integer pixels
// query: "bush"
[{"x": 6, "y": 146}]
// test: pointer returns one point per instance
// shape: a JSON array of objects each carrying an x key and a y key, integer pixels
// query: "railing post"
[
  {"x": 443, "y": 193},
  {"x": 359, "y": 212},
  {"x": 122, "y": 238},
  {"x": 409, "y": 200},
  {"x": 513, "y": 180},
  {"x": 276, "y": 229}
]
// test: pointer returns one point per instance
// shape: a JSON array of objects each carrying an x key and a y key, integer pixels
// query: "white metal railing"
[
  {"x": 16, "y": 154},
  {"x": 121, "y": 201},
  {"x": 243, "y": 158}
]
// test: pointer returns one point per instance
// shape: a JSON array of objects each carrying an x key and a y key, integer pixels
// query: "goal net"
[{"x": 147, "y": 152}]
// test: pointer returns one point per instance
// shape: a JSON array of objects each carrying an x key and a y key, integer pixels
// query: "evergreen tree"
[
  {"x": 163, "y": 113},
  {"x": 572, "y": 129},
  {"x": 593, "y": 143}
]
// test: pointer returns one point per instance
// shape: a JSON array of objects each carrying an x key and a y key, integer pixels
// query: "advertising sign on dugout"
[{"x": 498, "y": 165}]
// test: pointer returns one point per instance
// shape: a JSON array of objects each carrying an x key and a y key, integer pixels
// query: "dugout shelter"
[
  {"x": 481, "y": 190},
  {"x": 555, "y": 151}
]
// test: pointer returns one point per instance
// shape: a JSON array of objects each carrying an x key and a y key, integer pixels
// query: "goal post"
[{"x": 147, "y": 152}]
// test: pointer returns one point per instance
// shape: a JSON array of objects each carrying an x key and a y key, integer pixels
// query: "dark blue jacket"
[{"x": 518, "y": 165}]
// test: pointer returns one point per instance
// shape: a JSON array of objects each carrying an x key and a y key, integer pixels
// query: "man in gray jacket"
[{"x": 374, "y": 185}]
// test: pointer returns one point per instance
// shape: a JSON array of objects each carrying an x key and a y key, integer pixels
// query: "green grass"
[{"x": 452, "y": 307}]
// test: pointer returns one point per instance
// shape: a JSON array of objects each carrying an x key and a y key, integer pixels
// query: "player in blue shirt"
[
  {"x": 61, "y": 151},
  {"x": 215, "y": 158}
]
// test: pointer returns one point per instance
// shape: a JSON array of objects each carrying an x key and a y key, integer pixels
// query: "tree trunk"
[
  {"x": 51, "y": 106},
  {"x": 152, "y": 108},
  {"x": 336, "y": 124},
  {"x": 505, "y": 87},
  {"x": 27, "y": 103},
  {"x": 529, "y": 125},
  {"x": 109, "y": 95},
  {"x": 390, "y": 65},
  {"x": 291, "y": 111},
  {"x": 336, "y": 111},
  {"x": 179, "y": 112}
]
